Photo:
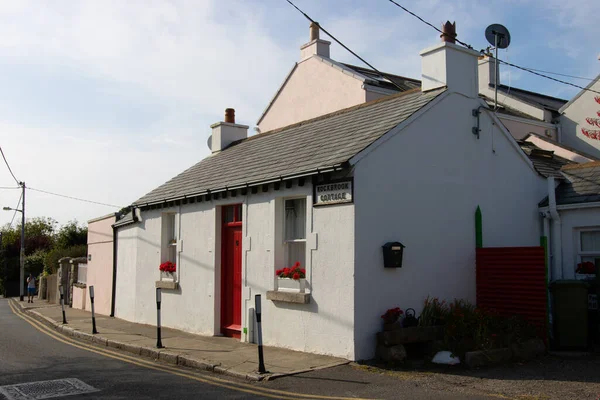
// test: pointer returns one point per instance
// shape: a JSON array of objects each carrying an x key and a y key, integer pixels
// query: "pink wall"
[
  {"x": 315, "y": 88},
  {"x": 100, "y": 267}
]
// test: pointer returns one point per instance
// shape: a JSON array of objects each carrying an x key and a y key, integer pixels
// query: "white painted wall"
[
  {"x": 125, "y": 296},
  {"x": 573, "y": 119},
  {"x": 422, "y": 187},
  {"x": 519, "y": 128},
  {"x": 323, "y": 326},
  {"x": 572, "y": 221},
  {"x": 450, "y": 65},
  {"x": 314, "y": 88},
  {"x": 559, "y": 150}
]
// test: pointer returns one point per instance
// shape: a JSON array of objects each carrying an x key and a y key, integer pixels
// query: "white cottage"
[
  {"x": 571, "y": 214},
  {"x": 328, "y": 193}
]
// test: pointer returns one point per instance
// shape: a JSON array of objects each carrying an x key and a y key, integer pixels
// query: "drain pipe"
[{"x": 556, "y": 231}]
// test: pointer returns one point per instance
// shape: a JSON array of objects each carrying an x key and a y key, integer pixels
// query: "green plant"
[
  {"x": 434, "y": 312},
  {"x": 51, "y": 259}
]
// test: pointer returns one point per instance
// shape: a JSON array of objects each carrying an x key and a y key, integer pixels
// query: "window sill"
[
  {"x": 288, "y": 297},
  {"x": 170, "y": 285}
]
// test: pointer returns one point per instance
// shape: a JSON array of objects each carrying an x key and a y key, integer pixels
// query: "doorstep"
[{"x": 212, "y": 353}]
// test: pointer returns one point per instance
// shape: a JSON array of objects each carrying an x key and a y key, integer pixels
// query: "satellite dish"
[
  {"x": 499, "y": 32},
  {"x": 209, "y": 142}
]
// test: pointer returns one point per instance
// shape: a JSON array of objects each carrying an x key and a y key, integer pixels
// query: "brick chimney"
[
  {"x": 315, "y": 45},
  {"x": 226, "y": 132},
  {"x": 451, "y": 65}
]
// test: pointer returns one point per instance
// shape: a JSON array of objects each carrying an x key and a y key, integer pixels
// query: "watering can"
[{"x": 409, "y": 318}]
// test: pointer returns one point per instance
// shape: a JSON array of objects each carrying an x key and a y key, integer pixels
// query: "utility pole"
[
  {"x": 22, "y": 268},
  {"x": 22, "y": 272}
]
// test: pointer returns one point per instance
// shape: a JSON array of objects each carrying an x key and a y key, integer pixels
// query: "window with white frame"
[
  {"x": 295, "y": 231},
  {"x": 589, "y": 252},
  {"x": 169, "y": 238}
]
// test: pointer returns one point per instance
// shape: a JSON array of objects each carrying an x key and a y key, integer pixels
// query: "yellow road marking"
[{"x": 273, "y": 393}]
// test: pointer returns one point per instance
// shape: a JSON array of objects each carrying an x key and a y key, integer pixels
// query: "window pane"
[
  {"x": 590, "y": 241},
  {"x": 172, "y": 254},
  {"x": 238, "y": 213},
  {"x": 295, "y": 219},
  {"x": 296, "y": 252},
  {"x": 172, "y": 227},
  {"x": 229, "y": 214}
]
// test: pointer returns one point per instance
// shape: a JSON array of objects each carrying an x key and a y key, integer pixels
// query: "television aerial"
[{"x": 499, "y": 37}]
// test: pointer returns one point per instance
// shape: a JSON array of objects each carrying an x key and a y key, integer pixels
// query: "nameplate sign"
[{"x": 334, "y": 192}]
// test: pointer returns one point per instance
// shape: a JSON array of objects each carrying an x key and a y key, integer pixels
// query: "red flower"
[
  {"x": 296, "y": 276},
  {"x": 167, "y": 266}
]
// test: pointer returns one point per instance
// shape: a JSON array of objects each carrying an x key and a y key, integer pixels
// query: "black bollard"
[
  {"x": 94, "y": 331},
  {"x": 62, "y": 304},
  {"x": 158, "y": 338},
  {"x": 261, "y": 359}
]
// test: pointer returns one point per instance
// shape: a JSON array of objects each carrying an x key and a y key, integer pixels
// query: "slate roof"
[
  {"x": 545, "y": 162},
  {"x": 582, "y": 185},
  {"x": 385, "y": 81},
  {"x": 536, "y": 99},
  {"x": 304, "y": 148}
]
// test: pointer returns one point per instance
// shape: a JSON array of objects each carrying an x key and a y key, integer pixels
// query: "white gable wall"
[
  {"x": 421, "y": 188},
  {"x": 313, "y": 89},
  {"x": 573, "y": 119}
]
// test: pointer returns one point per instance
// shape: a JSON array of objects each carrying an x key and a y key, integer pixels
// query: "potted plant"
[
  {"x": 585, "y": 270},
  {"x": 391, "y": 319},
  {"x": 167, "y": 270},
  {"x": 292, "y": 279}
]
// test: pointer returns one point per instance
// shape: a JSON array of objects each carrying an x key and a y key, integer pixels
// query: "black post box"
[{"x": 392, "y": 254}]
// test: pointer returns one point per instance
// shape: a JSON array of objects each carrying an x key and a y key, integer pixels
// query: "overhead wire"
[
  {"x": 430, "y": 24},
  {"x": 549, "y": 77},
  {"x": 344, "y": 46},
  {"x": 73, "y": 198},
  {"x": 10, "y": 187},
  {"x": 16, "y": 210},
  {"x": 9, "y": 169},
  {"x": 557, "y": 73},
  {"x": 504, "y": 62}
]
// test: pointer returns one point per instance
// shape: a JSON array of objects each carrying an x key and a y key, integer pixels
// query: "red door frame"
[{"x": 231, "y": 316}]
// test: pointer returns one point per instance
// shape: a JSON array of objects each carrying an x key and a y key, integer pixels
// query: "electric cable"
[
  {"x": 504, "y": 62},
  {"x": 430, "y": 24},
  {"x": 344, "y": 46},
  {"x": 73, "y": 198},
  {"x": 9, "y": 169},
  {"x": 16, "y": 210}
]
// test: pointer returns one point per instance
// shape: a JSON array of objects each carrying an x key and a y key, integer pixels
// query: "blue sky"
[{"x": 106, "y": 100}]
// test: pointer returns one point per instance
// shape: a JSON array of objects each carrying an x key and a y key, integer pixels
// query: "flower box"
[
  {"x": 291, "y": 285},
  {"x": 168, "y": 276}
]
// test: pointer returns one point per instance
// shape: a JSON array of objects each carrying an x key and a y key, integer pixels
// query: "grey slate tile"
[{"x": 300, "y": 148}]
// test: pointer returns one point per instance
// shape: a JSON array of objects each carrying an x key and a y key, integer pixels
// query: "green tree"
[{"x": 71, "y": 234}]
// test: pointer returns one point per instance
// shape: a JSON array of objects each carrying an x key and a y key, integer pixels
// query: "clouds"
[{"x": 108, "y": 99}]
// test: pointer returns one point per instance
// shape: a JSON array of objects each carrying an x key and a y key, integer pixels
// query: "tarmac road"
[{"x": 32, "y": 352}]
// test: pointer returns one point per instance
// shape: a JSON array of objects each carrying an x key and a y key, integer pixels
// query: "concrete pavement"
[{"x": 218, "y": 354}]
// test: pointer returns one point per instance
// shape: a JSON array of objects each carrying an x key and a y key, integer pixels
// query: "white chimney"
[
  {"x": 225, "y": 133},
  {"x": 315, "y": 45},
  {"x": 487, "y": 75},
  {"x": 451, "y": 65}
]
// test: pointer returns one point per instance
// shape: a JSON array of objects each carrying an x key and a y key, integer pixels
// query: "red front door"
[{"x": 231, "y": 272}]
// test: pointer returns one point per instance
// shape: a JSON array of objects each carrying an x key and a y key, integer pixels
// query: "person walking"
[{"x": 30, "y": 288}]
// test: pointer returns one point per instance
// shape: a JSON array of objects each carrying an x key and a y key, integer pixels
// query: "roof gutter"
[{"x": 316, "y": 171}]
